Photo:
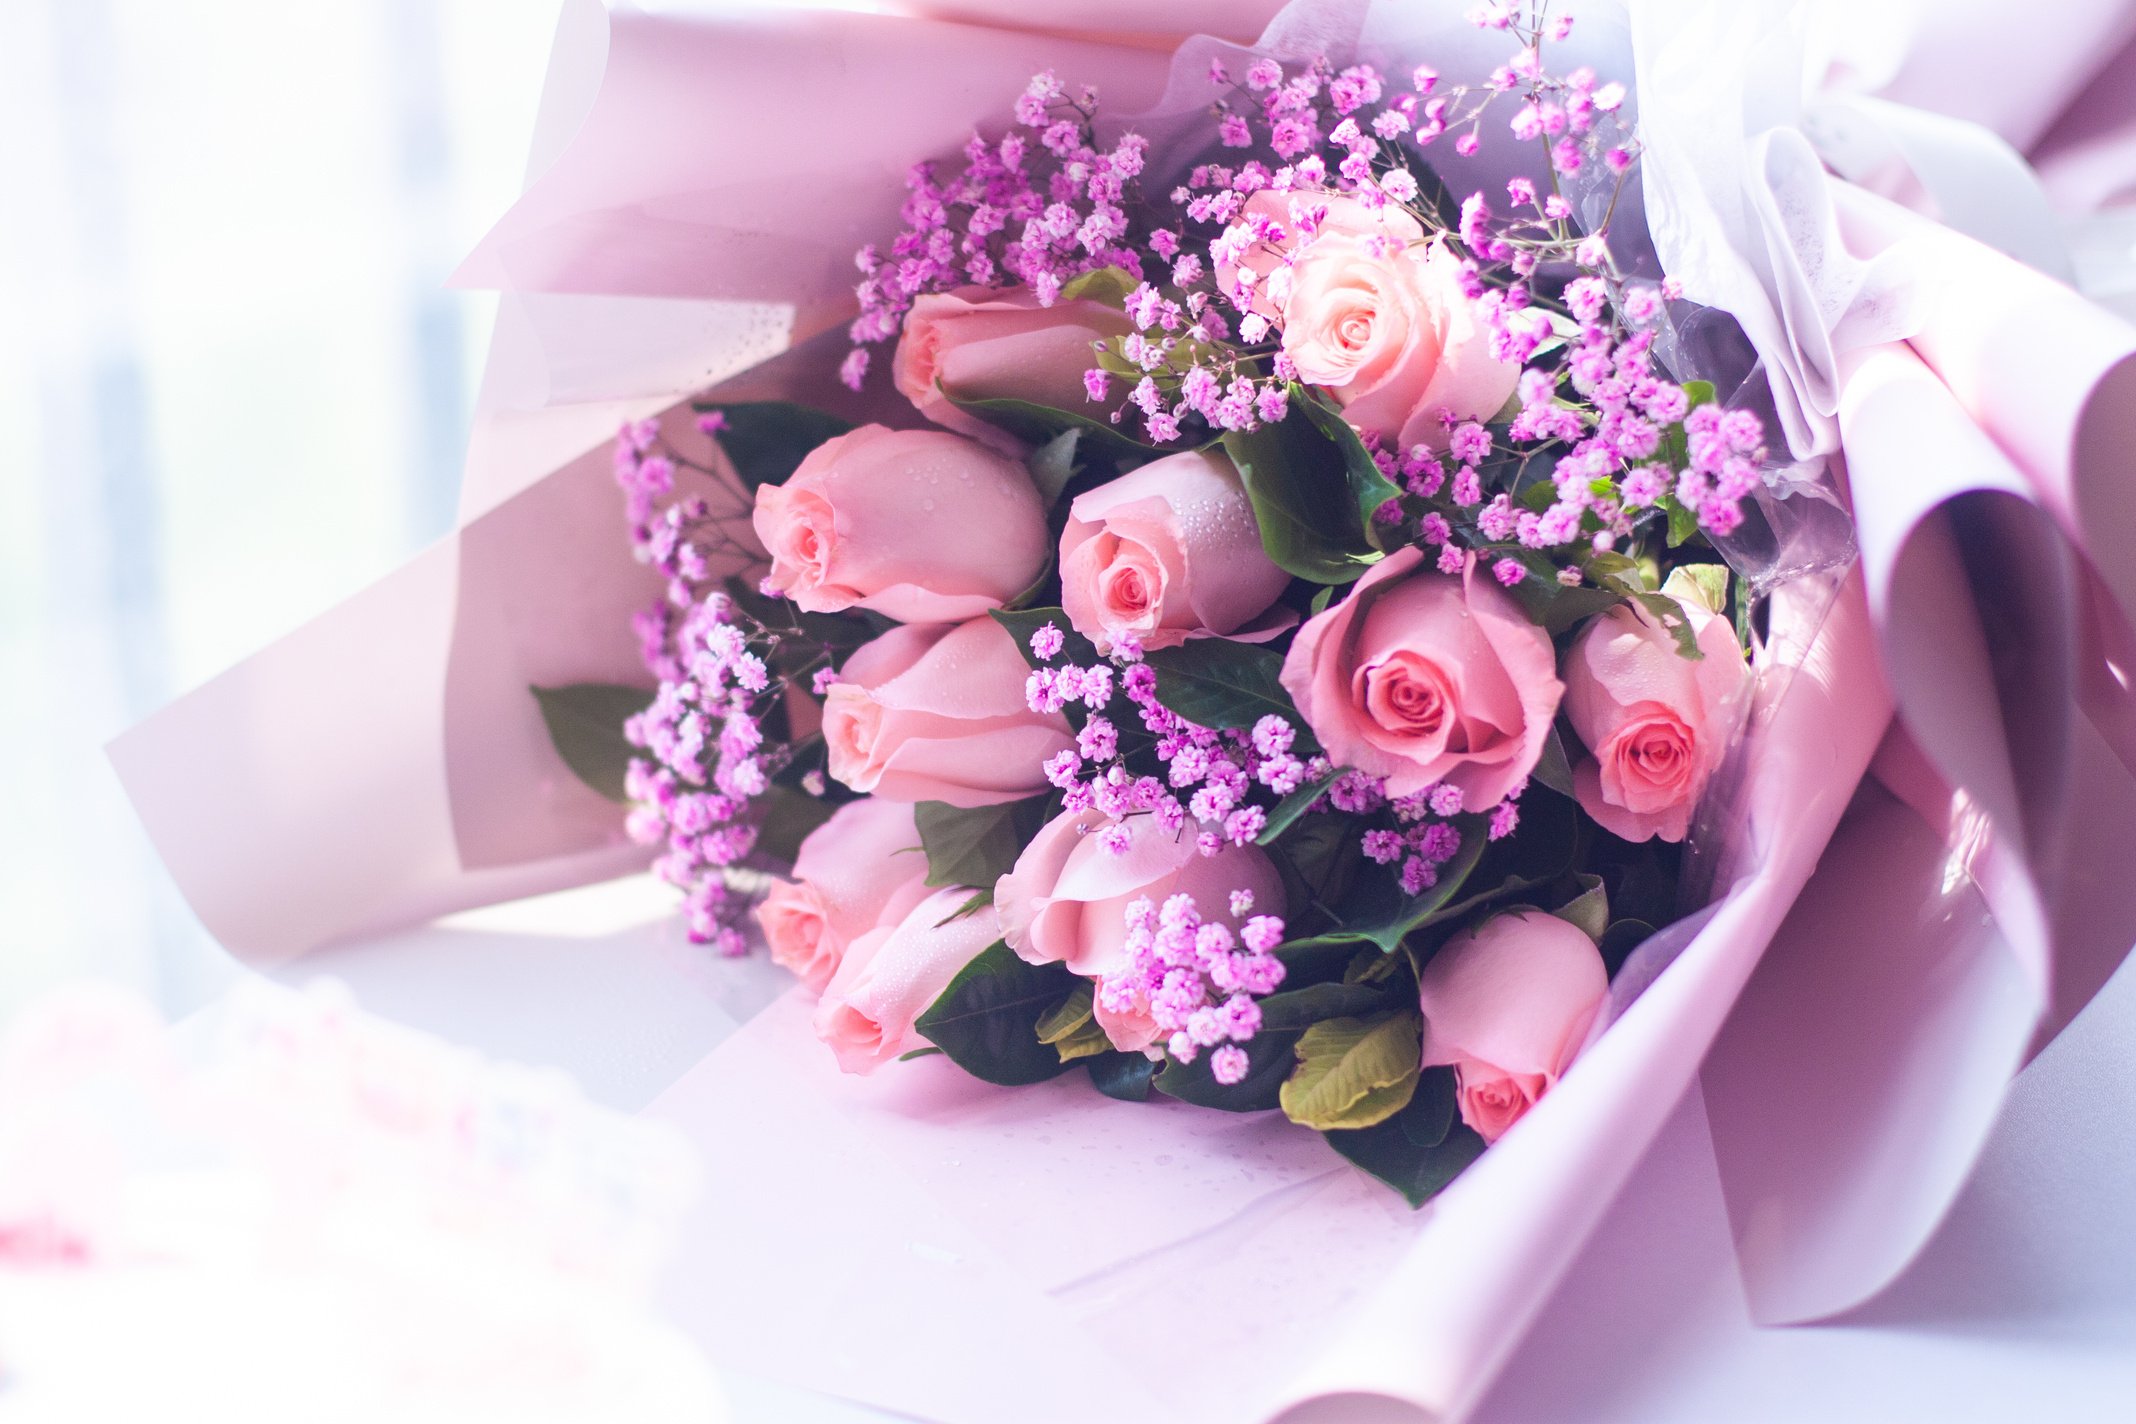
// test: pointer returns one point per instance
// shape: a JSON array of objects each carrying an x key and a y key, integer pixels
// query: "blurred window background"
[{"x": 233, "y": 386}]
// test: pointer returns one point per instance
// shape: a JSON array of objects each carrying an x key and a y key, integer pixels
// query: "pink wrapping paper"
[{"x": 1992, "y": 498}]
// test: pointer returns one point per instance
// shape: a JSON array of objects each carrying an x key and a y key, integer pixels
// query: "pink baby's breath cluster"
[
  {"x": 1197, "y": 981},
  {"x": 1040, "y": 206},
  {"x": 707, "y": 758}
]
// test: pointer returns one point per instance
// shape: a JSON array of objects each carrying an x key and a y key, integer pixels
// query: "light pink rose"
[
  {"x": 989, "y": 343},
  {"x": 918, "y": 525},
  {"x": 1066, "y": 899},
  {"x": 1423, "y": 677},
  {"x": 1655, "y": 723},
  {"x": 1166, "y": 550},
  {"x": 860, "y": 869},
  {"x": 936, "y": 713},
  {"x": 1508, "y": 1005},
  {"x": 1294, "y": 221},
  {"x": 892, "y": 973}
]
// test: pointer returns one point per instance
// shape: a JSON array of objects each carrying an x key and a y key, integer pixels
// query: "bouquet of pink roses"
[
  {"x": 1429, "y": 581},
  {"x": 1284, "y": 671}
]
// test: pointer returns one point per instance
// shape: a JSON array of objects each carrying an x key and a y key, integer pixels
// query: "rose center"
[{"x": 1408, "y": 695}]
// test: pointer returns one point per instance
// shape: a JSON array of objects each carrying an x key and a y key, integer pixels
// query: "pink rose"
[
  {"x": 1655, "y": 723},
  {"x": 988, "y": 343},
  {"x": 1423, "y": 677},
  {"x": 1066, "y": 899},
  {"x": 892, "y": 973},
  {"x": 918, "y": 525},
  {"x": 1274, "y": 227},
  {"x": 937, "y": 713},
  {"x": 1166, "y": 550},
  {"x": 1508, "y": 1004},
  {"x": 860, "y": 869}
]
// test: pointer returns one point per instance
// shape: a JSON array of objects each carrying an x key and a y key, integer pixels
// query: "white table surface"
[{"x": 2023, "y": 1306}]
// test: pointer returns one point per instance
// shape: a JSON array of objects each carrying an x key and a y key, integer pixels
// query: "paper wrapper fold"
[{"x": 1952, "y": 716}]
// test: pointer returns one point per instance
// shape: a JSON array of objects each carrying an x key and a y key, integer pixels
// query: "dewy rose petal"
[
  {"x": 1423, "y": 677},
  {"x": 937, "y": 713},
  {"x": 1166, "y": 550},
  {"x": 860, "y": 869},
  {"x": 989, "y": 343},
  {"x": 892, "y": 973},
  {"x": 918, "y": 525}
]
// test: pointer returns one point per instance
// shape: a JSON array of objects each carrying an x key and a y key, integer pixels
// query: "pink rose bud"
[
  {"x": 891, "y": 974},
  {"x": 1166, "y": 550},
  {"x": 1508, "y": 1005},
  {"x": 937, "y": 713},
  {"x": 987, "y": 343},
  {"x": 1656, "y": 724},
  {"x": 1066, "y": 899},
  {"x": 1376, "y": 314},
  {"x": 1423, "y": 677},
  {"x": 918, "y": 525},
  {"x": 860, "y": 869}
]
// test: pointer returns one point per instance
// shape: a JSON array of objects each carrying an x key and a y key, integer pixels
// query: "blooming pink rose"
[
  {"x": 860, "y": 869},
  {"x": 937, "y": 713},
  {"x": 990, "y": 343},
  {"x": 1423, "y": 677},
  {"x": 1655, "y": 723},
  {"x": 1508, "y": 1004},
  {"x": 891, "y": 974},
  {"x": 1066, "y": 899},
  {"x": 919, "y": 525},
  {"x": 1274, "y": 227},
  {"x": 1166, "y": 550}
]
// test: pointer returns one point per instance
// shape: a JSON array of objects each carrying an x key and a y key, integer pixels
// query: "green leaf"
[
  {"x": 789, "y": 814},
  {"x": 1620, "y": 939},
  {"x": 1703, "y": 584},
  {"x": 1558, "y": 608},
  {"x": 840, "y": 631},
  {"x": 1284, "y": 1019},
  {"x": 1036, "y": 424},
  {"x": 1669, "y": 614},
  {"x": 1322, "y": 598},
  {"x": 1421, "y": 1148},
  {"x": 1354, "y": 1072},
  {"x": 1110, "y": 285},
  {"x": 585, "y": 722},
  {"x": 917, "y": 1053},
  {"x": 986, "y": 1020},
  {"x": 766, "y": 441},
  {"x": 979, "y": 901},
  {"x": 1377, "y": 912},
  {"x": 977, "y": 845},
  {"x": 1125, "y": 1076},
  {"x": 1291, "y": 807},
  {"x": 1369, "y": 486},
  {"x": 1070, "y": 1027},
  {"x": 1587, "y": 911},
  {"x": 1053, "y": 465},
  {"x": 1219, "y": 683},
  {"x": 1554, "y": 768},
  {"x": 1299, "y": 483}
]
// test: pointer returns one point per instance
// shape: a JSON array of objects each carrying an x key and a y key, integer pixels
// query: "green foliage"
[
  {"x": 1023, "y": 622},
  {"x": 1053, "y": 465},
  {"x": 1110, "y": 285},
  {"x": 1285, "y": 812},
  {"x": 1126, "y": 1076},
  {"x": 976, "y": 845},
  {"x": 1284, "y": 1019},
  {"x": 789, "y": 814},
  {"x": 1418, "y": 1150},
  {"x": 1307, "y": 498},
  {"x": 1219, "y": 683},
  {"x": 987, "y": 1019},
  {"x": 1587, "y": 911},
  {"x": 1376, "y": 912},
  {"x": 766, "y": 441},
  {"x": 1353, "y": 1073},
  {"x": 585, "y": 722},
  {"x": 1070, "y": 1028},
  {"x": 1036, "y": 424}
]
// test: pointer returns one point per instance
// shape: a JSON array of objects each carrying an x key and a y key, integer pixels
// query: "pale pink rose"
[
  {"x": 1394, "y": 339},
  {"x": 1066, "y": 899},
  {"x": 1424, "y": 677},
  {"x": 859, "y": 869},
  {"x": 936, "y": 713},
  {"x": 892, "y": 973},
  {"x": 1166, "y": 550},
  {"x": 1508, "y": 1005},
  {"x": 1655, "y": 723},
  {"x": 1294, "y": 221},
  {"x": 918, "y": 525},
  {"x": 989, "y": 343}
]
